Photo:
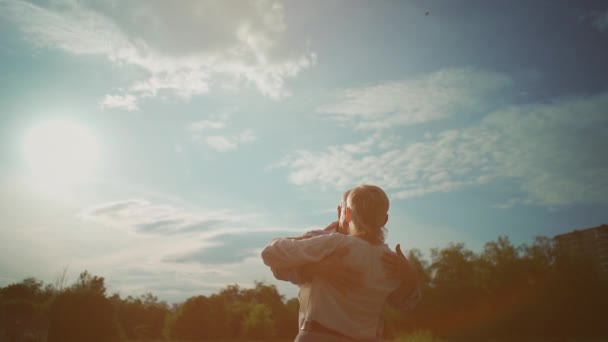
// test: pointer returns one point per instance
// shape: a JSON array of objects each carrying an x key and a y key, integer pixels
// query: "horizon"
[
  {"x": 163, "y": 147},
  {"x": 61, "y": 282}
]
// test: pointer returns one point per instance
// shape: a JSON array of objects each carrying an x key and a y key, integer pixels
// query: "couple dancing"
[{"x": 346, "y": 272}]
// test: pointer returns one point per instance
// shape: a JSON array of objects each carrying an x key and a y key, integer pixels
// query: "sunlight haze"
[{"x": 161, "y": 145}]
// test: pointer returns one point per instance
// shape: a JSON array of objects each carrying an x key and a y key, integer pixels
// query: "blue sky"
[{"x": 162, "y": 145}]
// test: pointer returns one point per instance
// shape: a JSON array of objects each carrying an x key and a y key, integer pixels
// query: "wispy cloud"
[
  {"x": 207, "y": 124},
  {"x": 178, "y": 248},
  {"x": 412, "y": 170},
  {"x": 426, "y": 98},
  {"x": 142, "y": 216},
  {"x": 226, "y": 249},
  {"x": 168, "y": 218},
  {"x": 165, "y": 281},
  {"x": 539, "y": 146},
  {"x": 127, "y": 102},
  {"x": 533, "y": 146},
  {"x": 219, "y": 140},
  {"x": 184, "y": 50},
  {"x": 225, "y": 143}
]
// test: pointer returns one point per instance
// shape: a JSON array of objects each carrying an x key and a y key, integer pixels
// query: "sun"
[{"x": 61, "y": 152}]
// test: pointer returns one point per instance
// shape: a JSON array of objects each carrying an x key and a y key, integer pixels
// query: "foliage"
[
  {"x": 417, "y": 336},
  {"x": 528, "y": 292},
  {"x": 258, "y": 313},
  {"x": 259, "y": 322},
  {"x": 509, "y": 293},
  {"x": 83, "y": 313},
  {"x": 82, "y": 316},
  {"x": 142, "y": 317}
]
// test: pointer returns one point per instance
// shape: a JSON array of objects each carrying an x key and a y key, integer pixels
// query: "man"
[
  {"x": 346, "y": 278},
  {"x": 351, "y": 304}
]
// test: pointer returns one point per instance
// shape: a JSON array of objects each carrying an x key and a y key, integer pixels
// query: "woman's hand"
[
  {"x": 336, "y": 271},
  {"x": 397, "y": 266}
]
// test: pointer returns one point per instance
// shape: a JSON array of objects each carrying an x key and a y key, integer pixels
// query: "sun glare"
[{"x": 61, "y": 152}]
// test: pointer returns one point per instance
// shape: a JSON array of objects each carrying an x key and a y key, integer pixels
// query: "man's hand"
[
  {"x": 335, "y": 226},
  {"x": 397, "y": 266},
  {"x": 297, "y": 238},
  {"x": 335, "y": 271}
]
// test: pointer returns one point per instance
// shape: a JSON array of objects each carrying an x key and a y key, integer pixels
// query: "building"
[{"x": 590, "y": 243}]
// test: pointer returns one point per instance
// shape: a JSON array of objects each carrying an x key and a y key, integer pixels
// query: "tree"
[
  {"x": 529, "y": 292},
  {"x": 454, "y": 290},
  {"x": 274, "y": 301},
  {"x": 89, "y": 282},
  {"x": 83, "y": 313},
  {"x": 287, "y": 328},
  {"x": 22, "y": 307},
  {"x": 192, "y": 321},
  {"x": 259, "y": 322},
  {"x": 142, "y": 317},
  {"x": 28, "y": 289},
  {"x": 579, "y": 297}
]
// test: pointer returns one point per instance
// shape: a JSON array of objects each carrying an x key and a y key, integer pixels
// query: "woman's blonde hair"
[{"x": 369, "y": 212}]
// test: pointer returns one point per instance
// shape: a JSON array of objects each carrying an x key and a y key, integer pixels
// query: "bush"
[
  {"x": 418, "y": 336},
  {"x": 80, "y": 315},
  {"x": 259, "y": 323}
]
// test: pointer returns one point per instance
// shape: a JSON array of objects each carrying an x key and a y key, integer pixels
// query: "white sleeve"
[{"x": 293, "y": 253}]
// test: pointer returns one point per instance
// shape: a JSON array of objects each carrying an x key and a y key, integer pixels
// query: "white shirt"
[{"x": 354, "y": 313}]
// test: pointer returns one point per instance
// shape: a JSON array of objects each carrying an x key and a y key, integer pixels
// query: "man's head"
[{"x": 366, "y": 213}]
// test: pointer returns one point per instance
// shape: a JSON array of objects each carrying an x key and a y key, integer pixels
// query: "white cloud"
[
  {"x": 142, "y": 216},
  {"x": 221, "y": 143},
  {"x": 200, "y": 132},
  {"x": 413, "y": 170},
  {"x": 553, "y": 152},
  {"x": 167, "y": 281},
  {"x": 173, "y": 249},
  {"x": 165, "y": 219},
  {"x": 214, "y": 122},
  {"x": 185, "y": 83},
  {"x": 185, "y": 50},
  {"x": 127, "y": 102},
  {"x": 225, "y": 143},
  {"x": 207, "y": 124},
  {"x": 426, "y": 98}
]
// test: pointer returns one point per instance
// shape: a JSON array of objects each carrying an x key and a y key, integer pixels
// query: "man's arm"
[
  {"x": 318, "y": 256},
  {"x": 408, "y": 294},
  {"x": 293, "y": 275},
  {"x": 332, "y": 268},
  {"x": 285, "y": 253},
  {"x": 304, "y": 274}
]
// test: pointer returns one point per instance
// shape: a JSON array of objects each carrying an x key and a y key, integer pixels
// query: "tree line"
[{"x": 531, "y": 292}]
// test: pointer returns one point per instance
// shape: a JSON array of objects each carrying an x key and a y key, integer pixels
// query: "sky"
[{"x": 162, "y": 145}]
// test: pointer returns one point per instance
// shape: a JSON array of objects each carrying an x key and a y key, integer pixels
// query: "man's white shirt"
[{"x": 356, "y": 313}]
